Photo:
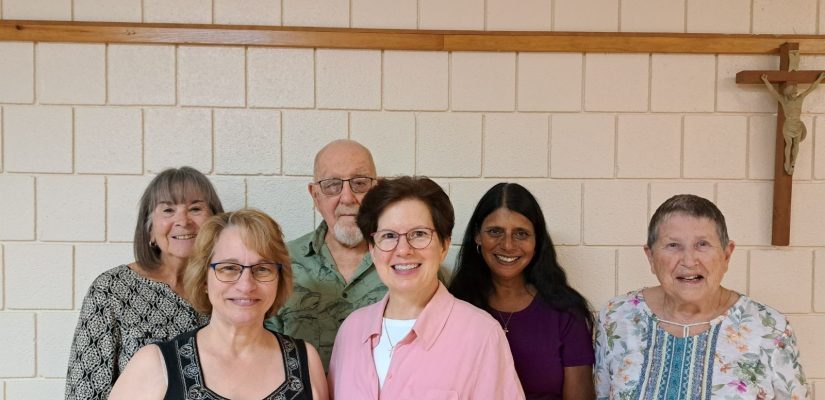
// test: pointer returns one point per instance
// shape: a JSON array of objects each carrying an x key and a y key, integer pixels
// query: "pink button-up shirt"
[{"x": 454, "y": 351}]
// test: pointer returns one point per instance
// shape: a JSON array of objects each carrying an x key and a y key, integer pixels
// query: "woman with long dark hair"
[{"x": 507, "y": 266}]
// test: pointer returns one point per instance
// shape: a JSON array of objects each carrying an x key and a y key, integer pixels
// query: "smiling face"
[
  {"x": 508, "y": 243},
  {"x": 175, "y": 226},
  {"x": 405, "y": 269},
  {"x": 342, "y": 160},
  {"x": 245, "y": 301},
  {"x": 689, "y": 259}
]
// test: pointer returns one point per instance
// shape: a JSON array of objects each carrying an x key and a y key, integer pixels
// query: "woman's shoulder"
[
  {"x": 749, "y": 311},
  {"x": 471, "y": 315},
  {"x": 284, "y": 338},
  {"x": 120, "y": 273},
  {"x": 631, "y": 300}
]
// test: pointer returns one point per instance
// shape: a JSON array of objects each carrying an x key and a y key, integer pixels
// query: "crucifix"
[{"x": 789, "y": 129}]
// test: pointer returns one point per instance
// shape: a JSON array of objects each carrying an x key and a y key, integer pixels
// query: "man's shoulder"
[{"x": 301, "y": 246}]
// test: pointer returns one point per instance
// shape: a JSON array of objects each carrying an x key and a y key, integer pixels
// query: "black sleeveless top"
[{"x": 185, "y": 376}]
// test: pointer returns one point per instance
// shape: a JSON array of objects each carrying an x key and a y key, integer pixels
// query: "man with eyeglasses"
[{"x": 333, "y": 273}]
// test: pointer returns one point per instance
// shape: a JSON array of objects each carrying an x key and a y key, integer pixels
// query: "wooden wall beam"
[{"x": 342, "y": 38}]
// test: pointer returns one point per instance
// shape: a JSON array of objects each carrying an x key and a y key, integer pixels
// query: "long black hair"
[{"x": 473, "y": 280}]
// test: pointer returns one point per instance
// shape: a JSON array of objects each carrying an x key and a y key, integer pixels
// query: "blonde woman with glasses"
[{"x": 239, "y": 274}]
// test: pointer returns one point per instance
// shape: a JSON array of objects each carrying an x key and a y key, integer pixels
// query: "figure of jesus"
[{"x": 793, "y": 130}]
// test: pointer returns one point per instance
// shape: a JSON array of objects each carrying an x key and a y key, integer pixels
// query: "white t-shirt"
[{"x": 393, "y": 331}]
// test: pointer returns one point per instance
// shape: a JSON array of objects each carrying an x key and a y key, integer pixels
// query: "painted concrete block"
[
  {"x": 141, "y": 74},
  {"x": 211, "y": 76},
  {"x": 70, "y": 73},
  {"x": 18, "y": 353},
  {"x": 349, "y": 79},
  {"x": 439, "y": 135},
  {"x": 281, "y": 77},
  {"x": 16, "y": 207},
  {"x": 416, "y": 80},
  {"x": 516, "y": 145},
  {"x": 177, "y": 136},
  {"x": 109, "y": 140},
  {"x": 37, "y": 139},
  {"x": 247, "y": 142},
  {"x": 483, "y": 81},
  {"x": 25, "y": 261},
  {"x": 16, "y": 72},
  {"x": 71, "y": 208}
]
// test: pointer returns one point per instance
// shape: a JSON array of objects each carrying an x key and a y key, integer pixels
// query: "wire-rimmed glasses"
[
  {"x": 333, "y": 186},
  {"x": 231, "y": 272},
  {"x": 418, "y": 238}
]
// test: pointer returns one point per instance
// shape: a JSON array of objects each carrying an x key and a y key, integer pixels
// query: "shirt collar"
[
  {"x": 429, "y": 324},
  {"x": 317, "y": 241}
]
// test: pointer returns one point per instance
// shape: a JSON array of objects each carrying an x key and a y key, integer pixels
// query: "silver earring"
[
  {"x": 478, "y": 248},
  {"x": 152, "y": 243}
]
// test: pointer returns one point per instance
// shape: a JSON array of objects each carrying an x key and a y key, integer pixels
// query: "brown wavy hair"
[{"x": 174, "y": 185}]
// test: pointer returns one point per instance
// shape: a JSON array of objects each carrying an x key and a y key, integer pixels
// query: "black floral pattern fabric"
[
  {"x": 121, "y": 313},
  {"x": 185, "y": 377}
]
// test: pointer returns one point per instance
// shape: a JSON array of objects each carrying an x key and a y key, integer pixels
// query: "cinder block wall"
[{"x": 601, "y": 139}]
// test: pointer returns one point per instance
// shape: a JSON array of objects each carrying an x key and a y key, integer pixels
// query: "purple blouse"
[{"x": 544, "y": 341}]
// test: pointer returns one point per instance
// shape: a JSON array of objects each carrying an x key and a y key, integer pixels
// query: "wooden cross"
[{"x": 787, "y": 75}]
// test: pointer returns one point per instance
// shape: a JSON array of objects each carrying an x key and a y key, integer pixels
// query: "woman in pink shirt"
[{"x": 419, "y": 342}]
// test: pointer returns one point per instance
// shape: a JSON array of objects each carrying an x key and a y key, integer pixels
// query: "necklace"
[
  {"x": 686, "y": 327},
  {"x": 504, "y": 324},
  {"x": 389, "y": 339}
]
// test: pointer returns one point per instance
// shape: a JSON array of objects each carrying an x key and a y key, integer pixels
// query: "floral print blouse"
[{"x": 749, "y": 352}]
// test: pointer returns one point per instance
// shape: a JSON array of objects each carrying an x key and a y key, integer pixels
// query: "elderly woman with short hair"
[
  {"x": 142, "y": 302},
  {"x": 690, "y": 337}
]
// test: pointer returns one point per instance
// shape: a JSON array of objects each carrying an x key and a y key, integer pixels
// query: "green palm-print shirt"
[{"x": 321, "y": 299}]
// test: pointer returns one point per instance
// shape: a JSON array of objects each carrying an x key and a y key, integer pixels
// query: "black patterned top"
[
  {"x": 185, "y": 375},
  {"x": 121, "y": 313}
]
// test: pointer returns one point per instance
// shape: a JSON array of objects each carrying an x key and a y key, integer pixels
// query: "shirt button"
[{"x": 344, "y": 295}]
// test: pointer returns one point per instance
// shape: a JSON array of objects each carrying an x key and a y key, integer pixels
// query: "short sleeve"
[
  {"x": 787, "y": 377},
  {"x": 601, "y": 371},
  {"x": 577, "y": 342}
]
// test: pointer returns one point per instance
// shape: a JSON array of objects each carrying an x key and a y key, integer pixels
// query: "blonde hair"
[{"x": 259, "y": 232}]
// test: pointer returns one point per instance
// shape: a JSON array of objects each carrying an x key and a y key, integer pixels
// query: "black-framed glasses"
[
  {"x": 418, "y": 238},
  {"x": 231, "y": 272},
  {"x": 333, "y": 186}
]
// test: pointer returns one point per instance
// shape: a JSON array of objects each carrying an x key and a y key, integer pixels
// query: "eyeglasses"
[
  {"x": 231, "y": 272},
  {"x": 387, "y": 240},
  {"x": 333, "y": 186},
  {"x": 497, "y": 234}
]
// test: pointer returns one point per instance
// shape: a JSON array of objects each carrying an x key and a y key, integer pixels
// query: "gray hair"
[
  {"x": 174, "y": 185},
  {"x": 691, "y": 205}
]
